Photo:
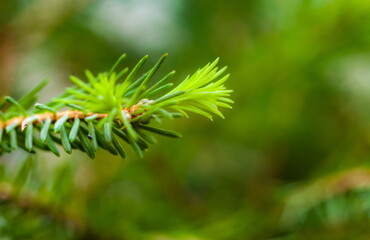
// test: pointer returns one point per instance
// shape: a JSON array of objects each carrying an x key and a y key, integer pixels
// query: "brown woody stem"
[{"x": 72, "y": 114}]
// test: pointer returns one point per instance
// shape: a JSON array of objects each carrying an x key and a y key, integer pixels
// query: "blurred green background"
[{"x": 290, "y": 161}]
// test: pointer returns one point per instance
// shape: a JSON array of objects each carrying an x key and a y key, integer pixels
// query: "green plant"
[{"x": 111, "y": 105}]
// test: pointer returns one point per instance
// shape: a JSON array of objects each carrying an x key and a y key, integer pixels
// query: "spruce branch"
[{"x": 110, "y": 106}]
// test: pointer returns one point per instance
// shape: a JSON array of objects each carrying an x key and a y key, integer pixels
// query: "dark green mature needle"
[
  {"x": 120, "y": 134},
  {"x": 45, "y": 130},
  {"x": 92, "y": 135},
  {"x": 108, "y": 131},
  {"x": 13, "y": 139},
  {"x": 103, "y": 143},
  {"x": 85, "y": 144},
  {"x": 161, "y": 131},
  {"x": 65, "y": 141},
  {"x": 146, "y": 136},
  {"x": 136, "y": 148},
  {"x": 51, "y": 145},
  {"x": 60, "y": 122},
  {"x": 37, "y": 143},
  {"x": 118, "y": 147},
  {"x": 29, "y": 137},
  {"x": 74, "y": 130}
]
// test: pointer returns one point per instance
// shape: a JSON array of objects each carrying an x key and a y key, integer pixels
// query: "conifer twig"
[{"x": 110, "y": 106}]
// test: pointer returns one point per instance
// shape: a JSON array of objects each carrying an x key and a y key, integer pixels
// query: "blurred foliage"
[{"x": 290, "y": 161}]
